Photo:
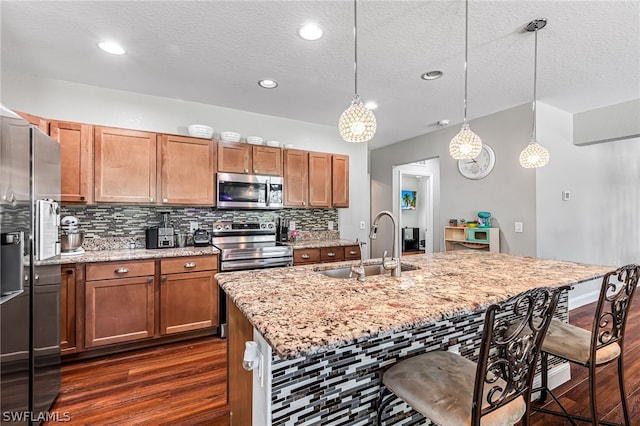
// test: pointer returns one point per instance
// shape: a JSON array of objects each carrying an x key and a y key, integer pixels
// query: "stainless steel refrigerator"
[{"x": 29, "y": 272}]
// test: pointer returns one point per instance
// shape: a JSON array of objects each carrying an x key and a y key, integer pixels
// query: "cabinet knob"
[
  {"x": 353, "y": 252},
  {"x": 304, "y": 203},
  {"x": 246, "y": 170},
  {"x": 190, "y": 265},
  {"x": 121, "y": 270},
  {"x": 164, "y": 200},
  {"x": 255, "y": 170},
  {"x": 149, "y": 280},
  {"x": 152, "y": 199},
  {"x": 331, "y": 254},
  {"x": 36, "y": 277},
  {"x": 82, "y": 198},
  {"x": 163, "y": 278},
  {"x": 305, "y": 256}
]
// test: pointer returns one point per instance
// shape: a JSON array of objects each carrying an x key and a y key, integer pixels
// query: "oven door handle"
[{"x": 240, "y": 265}]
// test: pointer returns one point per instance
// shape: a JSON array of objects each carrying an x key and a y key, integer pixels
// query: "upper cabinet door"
[
  {"x": 296, "y": 178},
  {"x": 34, "y": 120},
  {"x": 76, "y": 160},
  {"x": 186, "y": 170},
  {"x": 319, "y": 179},
  {"x": 125, "y": 166},
  {"x": 340, "y": 180},
  {"x": 267, "y": 160},
  {"x": 234, "y": 157}
]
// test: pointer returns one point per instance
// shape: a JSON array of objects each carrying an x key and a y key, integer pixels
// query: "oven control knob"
[
  {"x": 263, "y": 226},
  {"x": 270, "y": 225},
  {"x": 227, "y": 226},
  {"x": 218, "y": 226}
]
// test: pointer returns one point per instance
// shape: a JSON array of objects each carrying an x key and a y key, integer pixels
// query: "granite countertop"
[
  {"x": 322, "y": 243},
  {"x": 301, "y": 312},
  {"x": 91, "y": 256}
]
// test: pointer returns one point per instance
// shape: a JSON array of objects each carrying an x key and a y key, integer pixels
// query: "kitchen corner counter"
[
  {"x": 92, "y": 256},
  {"x": 308, "y": 244},
  {"x": 301, "y": 312}
]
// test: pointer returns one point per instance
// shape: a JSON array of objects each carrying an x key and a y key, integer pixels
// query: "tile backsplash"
[{"x": 131, "y": 221}]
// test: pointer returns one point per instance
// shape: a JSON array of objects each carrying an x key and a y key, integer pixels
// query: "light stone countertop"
[
  {"x": 322, "y": 243},
  {"x": 301, "y": 312},
  {"x": 92, "y": 256}
]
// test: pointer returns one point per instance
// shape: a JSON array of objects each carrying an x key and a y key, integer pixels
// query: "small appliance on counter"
[
  {"x": 201, "y": 238},
  {"x": 160, "y": 236},
  {"x": 71, "y": 237},
  {"x": 282, "y": 230}
]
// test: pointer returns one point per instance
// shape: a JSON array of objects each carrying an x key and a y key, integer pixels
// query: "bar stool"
[
  {"x": 451, "y": 390},
  {"x": 602, "y": 345}
]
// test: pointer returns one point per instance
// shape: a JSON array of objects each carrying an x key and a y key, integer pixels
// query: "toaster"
[{"x": 201, "y": 238}]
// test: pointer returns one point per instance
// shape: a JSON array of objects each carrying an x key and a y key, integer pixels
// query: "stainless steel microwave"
[{"x": 240, "y": 191}]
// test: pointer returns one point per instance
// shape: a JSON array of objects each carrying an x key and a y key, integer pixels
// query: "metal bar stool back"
[
  {"x": 452, "y": 390},
  {"x": 601, "y": 345}
]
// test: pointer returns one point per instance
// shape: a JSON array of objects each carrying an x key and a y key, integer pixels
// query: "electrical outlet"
[
  {"x": 518, "y": 227},
  {"x": 193, "y": 226},
  {"x": 362, "y": 224},
  {"x": 566, "y": 195},
  {"x": 292, "y": 225},
  {"x": 330, "y": 225}
]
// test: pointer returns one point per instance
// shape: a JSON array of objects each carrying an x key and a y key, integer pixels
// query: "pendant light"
[
  {"x": 466, "y": 144},
  {"x": 357, "y": 123},
  {"x": 534, "y": 155}
]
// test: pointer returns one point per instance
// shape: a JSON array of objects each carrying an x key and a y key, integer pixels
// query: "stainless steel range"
[{"x": 247, "y": 245}]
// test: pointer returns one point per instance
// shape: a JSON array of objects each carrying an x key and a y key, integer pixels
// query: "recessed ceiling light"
[
  {"x": 371, "y": 105},
  {"x": 268, "y": 83},
  {"x": 310, "y": 31},
  {"x": 432, "y": 75},
  {"x": 111, "y": 47}
]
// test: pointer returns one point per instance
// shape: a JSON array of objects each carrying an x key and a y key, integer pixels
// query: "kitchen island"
[{"x": 326, "y": 341}]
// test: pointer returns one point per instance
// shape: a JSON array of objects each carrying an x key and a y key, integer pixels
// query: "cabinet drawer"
[
  {"x": 351, "y": 253},
  {"x": 331, "y": 254},
  {"x": 110, "y": 270},
  {"x": 188, "y": 264},
  {"x": 302, "y": 256}
]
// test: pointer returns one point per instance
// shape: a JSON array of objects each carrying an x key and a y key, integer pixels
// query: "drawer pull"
[
  {"x": 149, "y": 280},
  {"x": 190, "y": 265},
  {"x": 121, "y": 270},
  {"x": 353, "y": 252},
  {"x": 331, "y": 254},
  {"x": 305, "y": 256},
  {"x": 163, "y": 278}
]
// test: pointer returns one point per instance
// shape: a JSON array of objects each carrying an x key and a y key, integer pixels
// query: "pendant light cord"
[
  {"x": 355, "y": 47},
  {"x": 466, "y": 31},
  {"x": 535, "y": 79}
]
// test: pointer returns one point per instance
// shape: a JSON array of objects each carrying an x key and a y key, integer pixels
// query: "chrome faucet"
[
  {"x": 392, "y": 265},
  {"x": 358, "y": 270}
]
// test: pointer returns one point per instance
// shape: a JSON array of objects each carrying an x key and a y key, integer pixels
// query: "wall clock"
[{"x": 479, "y": 167}]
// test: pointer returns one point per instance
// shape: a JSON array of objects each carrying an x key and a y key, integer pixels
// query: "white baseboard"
[
  {"x": 557, "y": 375},
  {"x": 583, "y": 299}
]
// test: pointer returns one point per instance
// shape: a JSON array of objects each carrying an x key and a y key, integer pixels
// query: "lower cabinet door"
[
  {"x": 118, "y": 311},
  {"x": 188, "y": 301},
  {"x": 68, "y": 310}
]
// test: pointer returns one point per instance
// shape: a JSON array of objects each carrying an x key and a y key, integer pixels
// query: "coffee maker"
[
  {"x": 160, "y": 236},
  {"x": 282, "y": 230}
]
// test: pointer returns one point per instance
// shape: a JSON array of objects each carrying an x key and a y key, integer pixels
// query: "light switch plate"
[
  {"x": 330, "y": 225},
  {"x": 362, "y": 224},
  {"x": 193, "y": 226},
  {"x": 518, "y": 227}
]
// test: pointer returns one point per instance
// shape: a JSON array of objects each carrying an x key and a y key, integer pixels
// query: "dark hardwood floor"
[{"x": 185, "y": 384}]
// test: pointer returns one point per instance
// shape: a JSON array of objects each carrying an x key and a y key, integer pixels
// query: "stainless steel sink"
[{"x": 369, "y": 270}]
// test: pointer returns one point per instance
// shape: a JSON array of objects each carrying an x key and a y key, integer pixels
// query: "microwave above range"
[{"x": 240, "y": 191}]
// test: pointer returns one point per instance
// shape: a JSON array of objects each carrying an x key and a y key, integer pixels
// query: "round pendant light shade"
[
  {"x": 357, "y": 123},
  {"x": 466, "y": 144},
  {"x": 534, "y": 155}
]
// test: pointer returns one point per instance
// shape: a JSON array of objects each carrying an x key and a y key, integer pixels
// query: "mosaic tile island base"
[{"x": 331, "y": 339}]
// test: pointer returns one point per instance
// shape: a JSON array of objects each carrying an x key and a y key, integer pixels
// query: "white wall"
[
  {"x": 508, "y": 192},
  {"x": 600, "y": 222},
  {"x": 62, "y": 100}
]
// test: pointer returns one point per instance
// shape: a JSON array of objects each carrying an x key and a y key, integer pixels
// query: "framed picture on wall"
[{"x": 408, "y": 200}]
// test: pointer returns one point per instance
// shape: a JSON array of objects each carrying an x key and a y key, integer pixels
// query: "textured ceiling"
[{"x": 214, "y": 52}]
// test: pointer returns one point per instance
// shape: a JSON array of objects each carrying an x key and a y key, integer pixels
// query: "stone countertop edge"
[
  {"x": 322, "y": 243},
  {"x": 95, "y": 256},
  {"x": 300, "y": 312}
]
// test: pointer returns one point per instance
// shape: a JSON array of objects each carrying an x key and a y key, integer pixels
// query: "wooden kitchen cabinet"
[
  {"x": 34, "y": 120},
  {"x": 331, "y": 254},
  {"x": 188, "y": 294},
  {"x": 68, "y": 310},
  {"x": 76, "y": 160},
  {"x": 339, "y": 180},
  {"x": 187, "y": 170},
  {"x": 319, "y": 179},
  {"x": 352, "y": 252},
  {"x": 266, "y": 160},
  {"x": 125, "y": 166},
  {"x": 296, "y": 178},
  {"x": 234, "y": 157},
  {"x": 119, "y": 302},
  {"x": 306, "y": 256}
]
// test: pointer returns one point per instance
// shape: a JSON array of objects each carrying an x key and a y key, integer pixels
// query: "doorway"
[{"x": 413, "y": 195}]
